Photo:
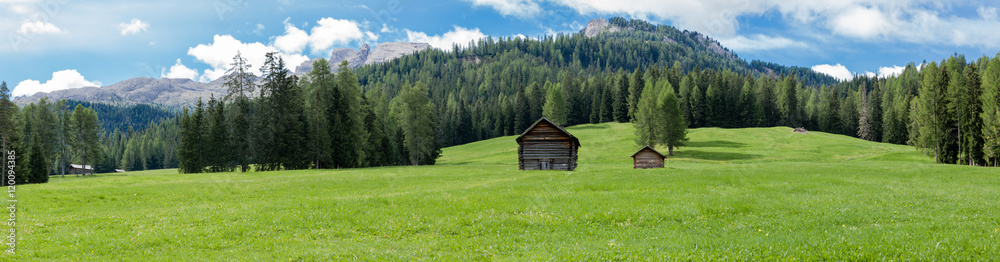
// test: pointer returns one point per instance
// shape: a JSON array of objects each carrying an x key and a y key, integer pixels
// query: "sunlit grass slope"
[{"x": 732, "y": 194}]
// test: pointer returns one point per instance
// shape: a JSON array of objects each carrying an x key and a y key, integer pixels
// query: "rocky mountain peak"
[{"x": 599, "y": 25}]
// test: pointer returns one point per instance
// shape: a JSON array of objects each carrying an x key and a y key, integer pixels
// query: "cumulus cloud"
[
  {"x": 837, "y": 71},
  {"x": 329, "y": 31},
  {"x": 179, "y": 71},
  {"x": 133, "y": 27},
  {"x": 988, "y": 13},
  {"x": 861, "y": 22},
  {"x": 887, "y": 71},
  {"x": 519, "y": 8},
  {"x": 65, "y": 79},
  {"x": 293, "y": 41},
  {"x": 460, "y": 36},
  {"x": 760, "y": 42},
  {"x": 219, "y": 55},
  {"x": 38, "y": 27}
]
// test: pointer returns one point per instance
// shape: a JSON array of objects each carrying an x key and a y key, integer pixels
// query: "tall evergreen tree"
[
  {"x": 319, "y": 87},
  {"x": 636, "y": 83},
  {"x": 971, "y": 124},
  {"x": 647, "y": 117},
  {"x": 929, "y": 114},
  {"x": 218, "y": 150},
  {"x": 673, "y": 127},
  {"x": 86, "y": 136},
  {"x": 991, "y": 111},
  {"x": 621, "y": 97},
  {"x": 240, "y": 84},
  {"x": 415, "y": 113},
  {"x": 346, "y": 128},
  {"x": 556, "y": 108}
]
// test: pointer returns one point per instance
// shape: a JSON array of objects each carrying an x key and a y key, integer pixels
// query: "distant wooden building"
[
  {"x": 546, "y": 146},
  {"x": 75, "y": 169},
  {"x": 647, "y": 157}
]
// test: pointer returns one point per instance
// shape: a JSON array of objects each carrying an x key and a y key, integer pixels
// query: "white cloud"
[
  {"x": 387, "y": 29},
  {"x": 837, "y": 71},
  {"x": 65, "y": 79},
  {"x": 259, "y": 29},
  {"x": 133, "y": 27},
  {"x": 519, "y": 8},
  {"x": 219, "y": 55},
  {"x": 988, "y": 13},
  {"x": 293, "y": 41},
  {"x": 460, "y": 36},
  {"x": 861, "y": 22},
  {"x": 760, "y": 42},
  {"x": 887, "y": 71},
  {"x": 38, "y": 27},
  {"x": 329, "y": 31},
  {"x": 179, "y": 71}
]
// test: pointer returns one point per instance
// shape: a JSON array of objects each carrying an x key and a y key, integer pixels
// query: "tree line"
[
  {"x": 322, "y": 120},
  {"x": 46, "y": 137}
]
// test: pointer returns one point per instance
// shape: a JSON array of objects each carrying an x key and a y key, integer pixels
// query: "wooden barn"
[
  {"x": 75, "y": 169},
  {"x": 546, "y": 146},
  {"x": 647, "y": 157}
]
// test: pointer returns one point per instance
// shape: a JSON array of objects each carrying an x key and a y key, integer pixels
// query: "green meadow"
[{"x": 731, "y": 194}]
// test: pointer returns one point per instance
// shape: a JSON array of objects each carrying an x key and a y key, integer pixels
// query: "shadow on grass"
[
  {"x": 581, "y": 127},
  {"x": 716, "y": 143},
  {"x": 716, "y": 156}
]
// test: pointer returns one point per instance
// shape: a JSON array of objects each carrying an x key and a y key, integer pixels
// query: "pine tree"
[
  {"x": 636, "y": 83},
  {"x": 415, "y": 113},
  {"x": 647, "y": 117},
  {"x": 929, "y": 114},
  {"x": 971, "y": 124},
  {"x": 714, "y": 106},
  {"x": 240, "y": 85},
  {"x": 218, "y": 137},
  {"x": 673, "y": 127},
  {"x": 556, "y": 108},
  {"x": 789, "y": 102},
  {"x": 621, "y": 97},
  {"x": 346, "y": 129},
  {"x": 86, "y": 136},
  {"x": 191, "y": 152},
  {"x": 319, "y": 84},
  {"x": 865, "y": 125},
  {"x": 684, "y": 97},
  {"x": 991, "y": 111}
]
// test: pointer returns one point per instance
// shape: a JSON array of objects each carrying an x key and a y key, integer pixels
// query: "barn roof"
[
  {"x": 521, "y": 137},
  {"x": 650, "y": 149},
  {"x": 86, "y": 167}
]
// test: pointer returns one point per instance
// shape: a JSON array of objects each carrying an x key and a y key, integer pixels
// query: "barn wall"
[
  {"x": 545, "y": 142},
  {"x": 647, "y": 159}
]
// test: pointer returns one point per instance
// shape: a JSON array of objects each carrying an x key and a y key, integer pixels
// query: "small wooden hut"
[
  {"x": 75, "y": 169},
  {"x": 647, "y": 157},
  {"x": 546, "y": 146}
]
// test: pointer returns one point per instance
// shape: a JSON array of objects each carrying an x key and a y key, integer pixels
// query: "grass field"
[{"x": 733, "y": 194}]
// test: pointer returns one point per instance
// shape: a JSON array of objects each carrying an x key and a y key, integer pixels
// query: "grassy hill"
[{"x": 733, "y": 194}]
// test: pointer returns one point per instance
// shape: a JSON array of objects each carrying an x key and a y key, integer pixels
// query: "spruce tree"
[
  {"x": 636, "y": 83},
  {"x": 647, "y": 117},
  {"x": 621, "y": 97},
  {"x": 672, "y": 127},
  {"x": 240, "y": 84},
  {"x": 556, "y": 108},
  {"x": 415, "y": 113},
  {"x": 991, "y": 111},
  {"x": 970, "y": 110}
]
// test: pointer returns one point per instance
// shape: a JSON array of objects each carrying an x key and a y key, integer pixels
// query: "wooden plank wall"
[{"x": 547, "y": 143}]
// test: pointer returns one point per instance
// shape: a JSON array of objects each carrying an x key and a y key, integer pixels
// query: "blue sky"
[{"x": 57, "y": 44}]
